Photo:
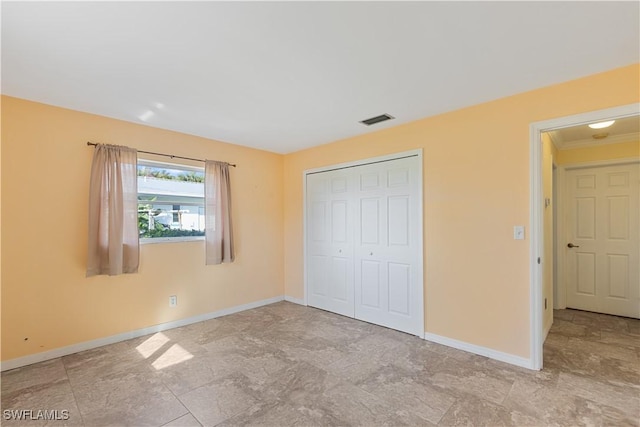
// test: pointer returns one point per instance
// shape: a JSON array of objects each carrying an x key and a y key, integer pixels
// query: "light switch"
[{"x": 518, "y": 232}]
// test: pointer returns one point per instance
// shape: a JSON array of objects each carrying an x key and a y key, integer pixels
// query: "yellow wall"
[
  {"x": 599, "y": 152},
  {"x": 45, "y": 173},
  {"x": 476, "y": 188},
  {"x": 549, "y": 153}
]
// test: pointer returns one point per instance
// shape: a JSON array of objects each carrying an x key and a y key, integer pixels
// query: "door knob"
[
  {"x": 571, "y": 245},
  {"x": 370, "y": 253},
  {"x": 339, "y": 251}
]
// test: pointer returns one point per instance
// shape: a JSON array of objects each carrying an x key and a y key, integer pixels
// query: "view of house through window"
[{"x": 170, "y": 200}]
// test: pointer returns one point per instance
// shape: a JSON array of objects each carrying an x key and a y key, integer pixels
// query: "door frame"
[
  {"x": 561, "y": 220},
  {"x": 536, "y": 213},
  {"x": 420, "y": 233}
]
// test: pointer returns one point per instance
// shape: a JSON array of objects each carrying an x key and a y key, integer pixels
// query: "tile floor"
[{"x": 283, "y": 365}]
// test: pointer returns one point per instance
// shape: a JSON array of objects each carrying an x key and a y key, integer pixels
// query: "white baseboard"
[
  {"x": 88, "y": 345},
  {"x": 299, "y": 301},
  {"x": 482, "y": 351}
]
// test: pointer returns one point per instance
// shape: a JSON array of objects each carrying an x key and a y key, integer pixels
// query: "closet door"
[
  {"x": 388, "y": 289},
  {"x": 330, "y": 241}
]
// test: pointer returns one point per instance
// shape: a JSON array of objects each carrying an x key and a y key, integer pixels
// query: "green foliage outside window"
[{"x": 187, "y": 176}]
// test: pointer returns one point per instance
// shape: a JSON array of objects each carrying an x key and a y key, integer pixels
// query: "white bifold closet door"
[
  {"x": 364, "y": 249},
  {"x": 330, "y": 241}
]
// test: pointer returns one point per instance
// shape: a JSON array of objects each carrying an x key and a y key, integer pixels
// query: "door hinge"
[{"x": 538, "y": 260}]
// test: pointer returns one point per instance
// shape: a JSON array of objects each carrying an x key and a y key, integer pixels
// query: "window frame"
[{"x": 169, "y": 165}]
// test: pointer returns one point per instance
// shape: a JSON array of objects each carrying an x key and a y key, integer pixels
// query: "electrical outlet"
[{"x": 173, "y": 301}]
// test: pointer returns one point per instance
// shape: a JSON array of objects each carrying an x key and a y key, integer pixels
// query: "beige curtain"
[
  {"x": 217, "y": 199},
  {"x": 113, "y": 211}
]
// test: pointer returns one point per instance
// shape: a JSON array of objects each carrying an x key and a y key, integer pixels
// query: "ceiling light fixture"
[{"x": 602, "y": 125}]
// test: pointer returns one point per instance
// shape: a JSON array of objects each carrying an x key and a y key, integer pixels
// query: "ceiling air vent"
[{"x": 377, "y": 119}]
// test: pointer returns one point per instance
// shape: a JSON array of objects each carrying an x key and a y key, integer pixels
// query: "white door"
[
  {"x": 364, "y": 242},
  {"x": 602, "y": 242},
  {"x": 330, "y": 241},
  {"x": 387, "y": 252}
]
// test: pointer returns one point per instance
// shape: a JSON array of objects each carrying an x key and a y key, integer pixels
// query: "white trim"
[
  {"x": 299, "y": 301},
  {"x": 361, "y": 162},
  {"x": 620, "y": 112},
  {"x": 304, "y": 238},
  {"x": 420, "y": 231},
  {"x": 477, "y": 349},
  {"x": 142, "y": 161},
  {"x": 554, "y": 234},
  {"x": 536, "y": 206},
  {"x": 420, "y": 237},
  {"x": 177, "y": 239},
  {"x": 536, "y": 249},
  {"x": 88, "y": 345}
]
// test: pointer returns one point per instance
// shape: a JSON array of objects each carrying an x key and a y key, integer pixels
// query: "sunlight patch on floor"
[
  {"x": 174, "y": 355},
  {"x": 152, "y": 344}
]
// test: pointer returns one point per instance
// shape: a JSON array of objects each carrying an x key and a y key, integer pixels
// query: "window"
[{"x": 170, "y": 201}]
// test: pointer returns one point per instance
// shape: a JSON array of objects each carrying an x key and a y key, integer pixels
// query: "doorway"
[
  {"x": 594, "y": 221},
  {"x": 539, "y": 240}
]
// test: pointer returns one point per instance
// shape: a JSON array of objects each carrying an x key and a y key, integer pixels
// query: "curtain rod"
[{"x": 166, "y": 155}]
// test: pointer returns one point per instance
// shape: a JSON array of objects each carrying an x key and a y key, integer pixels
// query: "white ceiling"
[
  {"x": 286, "y": 76},
  {"x": 622, "y": 130}
]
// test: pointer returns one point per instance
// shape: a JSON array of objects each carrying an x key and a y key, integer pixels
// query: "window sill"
[{"x": 153, "y": 240}]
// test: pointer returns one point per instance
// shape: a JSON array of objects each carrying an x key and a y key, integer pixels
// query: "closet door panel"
[
  {"x": 395, "y": 249},
  {"x": 330, "y": 242},
  {"x": 370, "y": 283}
]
